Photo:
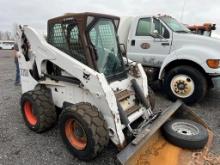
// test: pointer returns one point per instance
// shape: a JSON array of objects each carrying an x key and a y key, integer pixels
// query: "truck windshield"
[
  {"x": 174, "y": 25},
  {"x": 104, "y": 41}
]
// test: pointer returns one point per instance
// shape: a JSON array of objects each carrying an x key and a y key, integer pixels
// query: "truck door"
[{"x": 150, "y": 43}]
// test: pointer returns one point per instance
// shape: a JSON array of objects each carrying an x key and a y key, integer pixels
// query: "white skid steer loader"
[{"x": 102, "y": 95}]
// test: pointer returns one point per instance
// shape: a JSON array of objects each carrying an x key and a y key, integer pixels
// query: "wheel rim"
[
  {"x": 31, "y": 118},
  {"x": 182, "y": 86},
  {"x": 185, "y": 128},
  {"x": 75, "y": 134}
]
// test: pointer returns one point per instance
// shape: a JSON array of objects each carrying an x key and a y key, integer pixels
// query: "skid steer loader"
[{"x": 102, "y": 95}]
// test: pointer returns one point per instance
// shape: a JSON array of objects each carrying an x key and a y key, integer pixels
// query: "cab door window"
[
  {"x": 162, "y": 30},
  {"x": 144, "y": 27}
]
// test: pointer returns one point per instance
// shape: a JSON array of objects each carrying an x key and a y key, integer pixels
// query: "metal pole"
[{"x": 183, "y": 9}]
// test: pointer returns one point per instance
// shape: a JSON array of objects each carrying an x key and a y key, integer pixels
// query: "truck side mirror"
[
  {"x": 155, "y": 32},
  {"x": 123, "y": 51}
]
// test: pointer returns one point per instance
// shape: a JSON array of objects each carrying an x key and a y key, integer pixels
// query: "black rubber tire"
[
  {"x": 94, "y": 126},
  {"x": 151, "y": 98},
  {"x": 197, "y": 141},
  {"x": 43, "y": 109},
  {"x": 198, "y": 78}
]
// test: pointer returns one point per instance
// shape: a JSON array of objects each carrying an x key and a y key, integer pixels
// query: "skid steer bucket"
[{"x": 153, "y": 149}]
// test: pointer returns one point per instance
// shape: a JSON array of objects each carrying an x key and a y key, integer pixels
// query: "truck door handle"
[
  {"x": 165, "y": 43},
  {"x": 132, "y": 42}
]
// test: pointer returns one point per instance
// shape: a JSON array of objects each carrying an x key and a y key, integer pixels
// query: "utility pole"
[{"x": 183, "y": 9}]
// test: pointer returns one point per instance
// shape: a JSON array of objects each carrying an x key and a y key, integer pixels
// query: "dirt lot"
[{"x": 18, "y": 145}]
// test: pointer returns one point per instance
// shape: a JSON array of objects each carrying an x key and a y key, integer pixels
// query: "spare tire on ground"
[{"x": 185, "y": 133}]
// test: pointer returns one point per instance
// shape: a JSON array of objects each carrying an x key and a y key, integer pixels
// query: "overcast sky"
[{"x": 37, "y": 12}]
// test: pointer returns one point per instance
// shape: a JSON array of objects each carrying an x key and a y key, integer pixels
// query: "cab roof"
[{"x": 78, "y": 16}]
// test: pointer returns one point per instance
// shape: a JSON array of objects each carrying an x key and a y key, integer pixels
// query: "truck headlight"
[{"x": 213, "y": 63}]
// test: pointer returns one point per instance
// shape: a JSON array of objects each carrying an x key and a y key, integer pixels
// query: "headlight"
[{"x": 213, "y": 63}]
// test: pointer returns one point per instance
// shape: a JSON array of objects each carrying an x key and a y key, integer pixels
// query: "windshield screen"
[
  {"x": 103, "y": 38},
  {"x": 175, "y": 25}
]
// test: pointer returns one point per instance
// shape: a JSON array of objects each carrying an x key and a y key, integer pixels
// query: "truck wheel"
[
  {"x": 38, "y": 110},
  {"x": 185, "y": 133},
  {"x": 186, "y": 83},
  {"x": 151, "y": 97},
  {"x": 83, "y": 130}
]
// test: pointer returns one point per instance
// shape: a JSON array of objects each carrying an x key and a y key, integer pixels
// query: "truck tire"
[
  {"x": 151, "y": 98},
  {"x": 185, "y": 133},
  {"x": 38, "y": 110},
  {"x": 185, "y": 83},
  {"x": 83, "y": 130}
]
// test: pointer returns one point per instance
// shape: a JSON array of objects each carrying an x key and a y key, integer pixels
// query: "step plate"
[{"x": 121, "y": 95}]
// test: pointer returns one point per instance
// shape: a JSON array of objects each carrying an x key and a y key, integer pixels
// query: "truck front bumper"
[
  {"x": 216, "y": 82},
  {"x": 215, "y": 78}
]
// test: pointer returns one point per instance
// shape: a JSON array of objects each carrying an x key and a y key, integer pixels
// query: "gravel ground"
[{"x": 20, "y": 146}]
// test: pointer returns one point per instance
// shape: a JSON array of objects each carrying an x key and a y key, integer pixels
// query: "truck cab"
[{"x": 185, "y": 64}]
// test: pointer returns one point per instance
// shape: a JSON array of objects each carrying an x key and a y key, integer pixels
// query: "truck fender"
[
  {"x": 194, "y": 54},
  {"x": 166, "y": 62}
]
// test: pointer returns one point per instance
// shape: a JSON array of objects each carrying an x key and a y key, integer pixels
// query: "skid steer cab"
[{"x": 103, "y": 96}]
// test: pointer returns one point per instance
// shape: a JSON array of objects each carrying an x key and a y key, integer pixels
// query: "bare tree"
[
  {"x": 8, "y": 35},
  {"x": 14, "y": 30},
  {"x": 1, "y": 35}
]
